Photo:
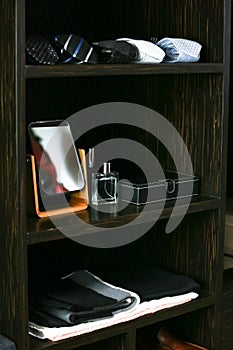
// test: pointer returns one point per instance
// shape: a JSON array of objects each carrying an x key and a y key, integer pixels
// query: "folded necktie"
[
  {"x": 74, "y": 49},
  {"x": 148, "y": 51},
  {"x": 40, "y": 50},
  {"x": 180, "y": 50},
  {"x": 59, "y": 49},
  {"x": 113, "y": 51}
]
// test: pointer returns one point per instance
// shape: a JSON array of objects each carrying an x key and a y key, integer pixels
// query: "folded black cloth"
[
  {"x": 52, "y": 313},
  {"x": 116, "y": 51},
  {"x": 151, "y": 282},
  {"x": 77, "y": 298}
]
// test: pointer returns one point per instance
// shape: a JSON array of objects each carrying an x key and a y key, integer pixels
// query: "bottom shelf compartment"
[
  {"x": 186, "y": 251},
  {"x": 188, "y": 321}
]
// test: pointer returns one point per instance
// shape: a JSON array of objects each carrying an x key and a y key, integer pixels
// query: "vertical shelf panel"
[{"x": 13, "y": 248}]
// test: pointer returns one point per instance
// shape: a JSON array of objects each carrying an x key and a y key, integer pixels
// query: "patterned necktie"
[
  {"x": 59, "y": 49},
  {"x": 40, "y": 51},
  {"x": 180, "y": 50}
]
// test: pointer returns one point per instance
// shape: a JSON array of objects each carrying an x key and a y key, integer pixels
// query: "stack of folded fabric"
[
  {"x": 77, "y": 298},
  {"x": 82, "y": 302},
  {"x": 151, "y": 282}
]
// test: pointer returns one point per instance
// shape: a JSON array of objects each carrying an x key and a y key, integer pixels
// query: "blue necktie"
[
  {"x": 74, "y": 49},
  {"x": 180, "y": 50}
]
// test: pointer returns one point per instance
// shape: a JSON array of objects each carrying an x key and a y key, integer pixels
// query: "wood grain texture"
[
  {"x": 121, "y": 69},
  {"x": 188, "y": 105},
  {"x": 13, "y": 273}
]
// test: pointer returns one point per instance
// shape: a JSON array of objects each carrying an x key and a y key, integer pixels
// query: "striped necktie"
[{"x": 74, "y": 49}]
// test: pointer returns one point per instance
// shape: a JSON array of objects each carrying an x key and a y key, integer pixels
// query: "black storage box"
[{"x": 136, "y": 192}]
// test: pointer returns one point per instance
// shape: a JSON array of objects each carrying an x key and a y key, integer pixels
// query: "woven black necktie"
[{"x": 40, "y": 50}]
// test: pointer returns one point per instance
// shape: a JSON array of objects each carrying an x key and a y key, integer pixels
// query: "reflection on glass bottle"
[{"x": 105, "y": 186}]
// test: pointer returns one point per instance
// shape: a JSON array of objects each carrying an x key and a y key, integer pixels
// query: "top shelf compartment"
[{"x": 138, "y": 19}]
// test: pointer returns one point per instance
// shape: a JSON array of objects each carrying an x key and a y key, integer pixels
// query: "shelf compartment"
[
  {"x": 39, "y": 71},
  {"x": 43, "y": 230},
  {"x": 205, "y": 300}
]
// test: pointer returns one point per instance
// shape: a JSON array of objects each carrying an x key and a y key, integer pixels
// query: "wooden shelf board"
[
  {"x": 40, "y": 71},
  {"x": 43, "y": 230}
]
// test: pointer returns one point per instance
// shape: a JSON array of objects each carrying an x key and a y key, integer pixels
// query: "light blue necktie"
[{"x": 180, "y": 50}]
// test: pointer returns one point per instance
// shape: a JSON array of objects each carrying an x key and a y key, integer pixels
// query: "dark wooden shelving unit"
[{"x": 191, "y": 96}]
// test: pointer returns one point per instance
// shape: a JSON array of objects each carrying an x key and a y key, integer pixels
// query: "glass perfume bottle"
[{"x": 105, "y": 186}]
